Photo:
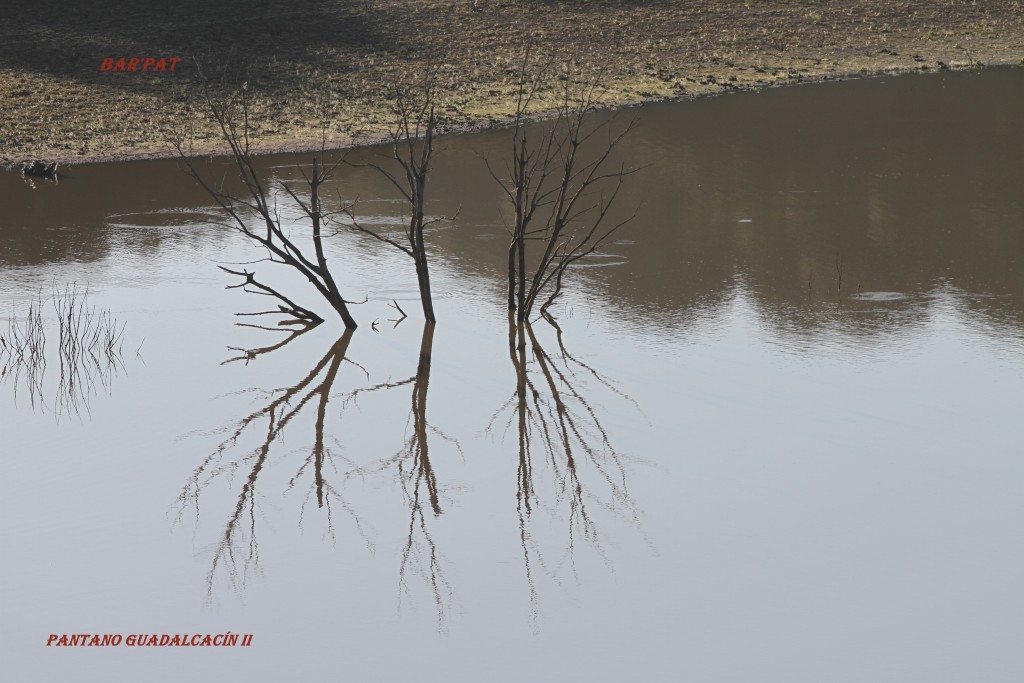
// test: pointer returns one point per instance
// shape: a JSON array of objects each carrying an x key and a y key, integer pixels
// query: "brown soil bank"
[{"x": 314, "y": 61}]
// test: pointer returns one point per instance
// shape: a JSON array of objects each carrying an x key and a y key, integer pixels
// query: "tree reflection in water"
[
  {"x": 236, "y": 552},
  {"x": 415, "y": 474},
  {"x": 567, "y": 466},
  {"x": 555, "y": 422}
]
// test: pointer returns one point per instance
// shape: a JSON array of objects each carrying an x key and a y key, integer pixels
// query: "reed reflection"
[
  {"x": 88, "y": 355},
  {"x": 559, "y": 430}
]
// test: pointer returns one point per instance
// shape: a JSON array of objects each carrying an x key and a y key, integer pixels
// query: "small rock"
[{"x": 40, "y": 169}]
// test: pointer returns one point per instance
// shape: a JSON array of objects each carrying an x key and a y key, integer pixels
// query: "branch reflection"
[
  {"x": 559, "y": 430},
  {"x": 237, "y": 550},
  {"x": 414, "y": 471},
  {"x": 236, "y": 553}
]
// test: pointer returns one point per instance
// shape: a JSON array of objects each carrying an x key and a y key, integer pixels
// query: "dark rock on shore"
[{"x": 40, "y": 169}]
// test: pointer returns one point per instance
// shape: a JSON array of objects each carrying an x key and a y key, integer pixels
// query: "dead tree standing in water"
[
  {"x": 259, "y": 204},
  {"x": 552, "y": 179},
  {"x": 412, "y": 146}
]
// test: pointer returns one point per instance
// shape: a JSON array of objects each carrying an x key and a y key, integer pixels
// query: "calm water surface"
[{"x": 778, "y": 438}]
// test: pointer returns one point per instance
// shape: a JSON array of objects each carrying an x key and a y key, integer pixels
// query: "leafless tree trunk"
[
  {"x": 557, "y": 167},
  {"x": 412, "y": 147},
  {"x": 255, "y": 214}
]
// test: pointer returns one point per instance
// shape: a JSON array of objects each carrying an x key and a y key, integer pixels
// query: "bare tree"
[
  {"x": 561, "y": 183},
  {"x": 412, "y": 147},
  {"x": 254, "y": 214}
]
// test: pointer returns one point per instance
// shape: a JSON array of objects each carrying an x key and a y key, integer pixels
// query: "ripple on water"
[
  {"x": 165, "y": 218},
  {"x": 879, "y": 296}
]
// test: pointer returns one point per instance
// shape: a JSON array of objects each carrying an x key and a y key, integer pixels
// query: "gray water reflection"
[{"x": 774, "y": 436}]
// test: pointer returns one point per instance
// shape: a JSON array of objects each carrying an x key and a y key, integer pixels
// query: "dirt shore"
[{"x": 319, "y": 62}]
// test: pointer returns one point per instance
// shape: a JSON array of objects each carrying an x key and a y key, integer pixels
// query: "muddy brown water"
[{"x": 779, "y": 437}]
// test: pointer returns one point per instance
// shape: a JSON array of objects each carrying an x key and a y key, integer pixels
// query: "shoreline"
[
  {"x": 301, "y": 147},
  {"x": 329, "y": 71}
]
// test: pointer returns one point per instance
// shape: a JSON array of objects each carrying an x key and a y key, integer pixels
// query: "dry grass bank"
[{"x": 313, "y": 61}]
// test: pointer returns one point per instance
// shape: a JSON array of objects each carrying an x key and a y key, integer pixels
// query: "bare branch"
[
  {"x": 233, "y": 115},
  {"x": 552, "y": 180},
  {"x": 291, "y": 309}
]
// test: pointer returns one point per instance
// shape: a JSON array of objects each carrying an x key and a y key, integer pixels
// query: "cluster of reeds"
[
  {"x": 23, "y": 350},
  {"x": 89, "y": 348},
  {"x": 90, "y": 345}
]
